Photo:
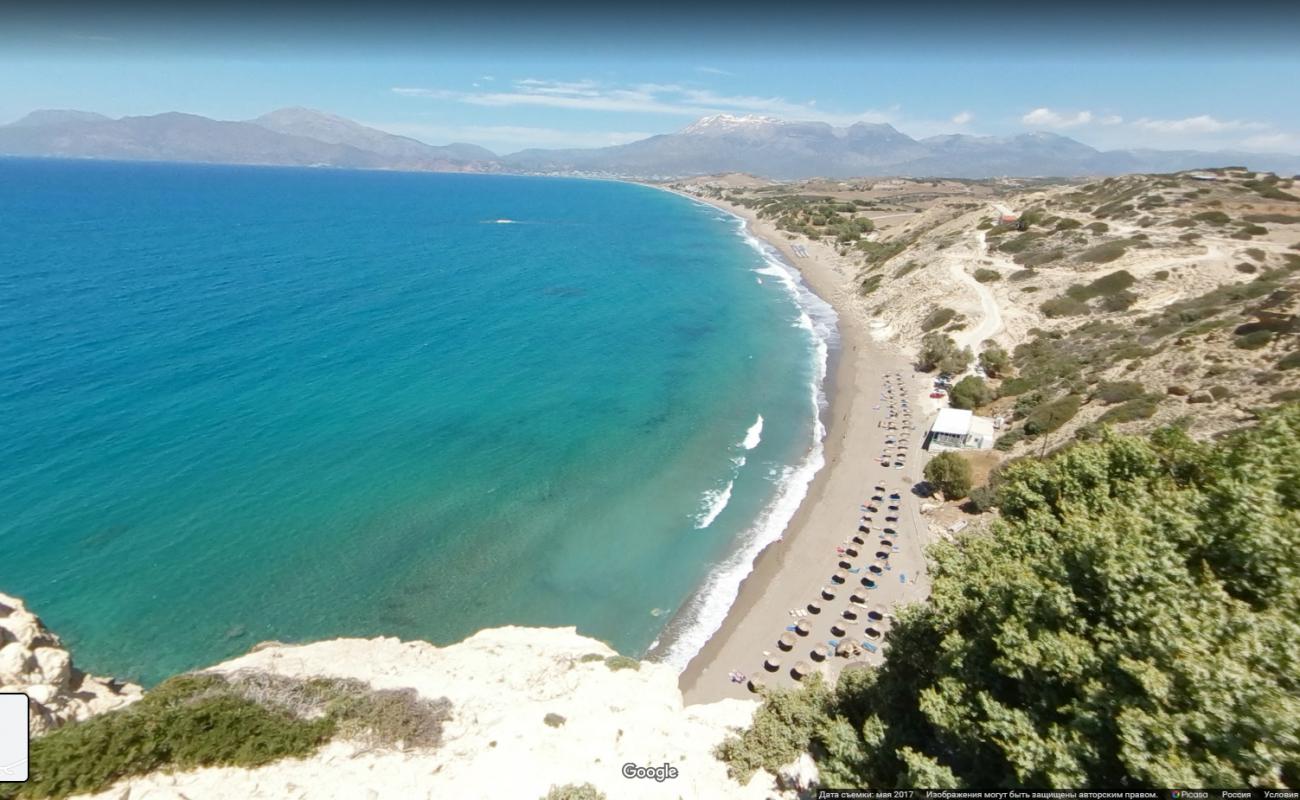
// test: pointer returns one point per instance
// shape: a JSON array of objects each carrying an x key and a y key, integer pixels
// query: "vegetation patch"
[
  {"x": 1253, "y": 340},
  {"x": 1111, "y": 392},
  {"x": 939, "y": 351},
  {"x": 615, "y": 663},
  {"x": 1051, "y": 415},
  {"x": 1143, "y": 407},
  {"x": 1213, "y": 217},
  {"x": 950, "y": 474},
  {"x": 938, "y": 318},
  {"x": 1110, "y": 563},
  {"x": 574, "y": 791},
  {"x": 244, "y": 720},
  {"x": 970, "y": 392},
  {"x": 987, "y": 275},
  {"x": 1063, "y": 306}
]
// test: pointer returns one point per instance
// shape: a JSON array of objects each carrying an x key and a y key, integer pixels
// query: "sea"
[{"x": 241, "y": 404}]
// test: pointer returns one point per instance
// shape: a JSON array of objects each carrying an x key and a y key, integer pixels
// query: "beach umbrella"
[
  {"x": 882, "y": 555},
  {"x": 820, "y": 652},
  {"x": 837, "y": 629},
  {"x": 755, "y": 685},
  {"x": 800, "y": 669},
  {"x": 840, "y": 576},
  {"x": 867, "y": 582},
  {"x": 802, "y": 627},
  {"x": 875, "y": 614},
  {"x": 859, "y": 540},
  {"x": 815, "y": 607},
  {"x": 851, "y": 551},
  {"x": 849, "y": 613},
  {"x": 787, "y": 640},
  {"x": 772, "y": 664},
  {"x": 886, "y": 543},
  {"x": 872, "y": 633},
  {"x": 877, "y": 567},
  {"x": 858, "y": 597},
  {"x": 845, "y": 564},
  {"x": 828, "y": 592}
]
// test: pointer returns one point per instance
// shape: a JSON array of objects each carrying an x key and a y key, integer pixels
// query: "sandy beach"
[{"x": 868, "y": 378}]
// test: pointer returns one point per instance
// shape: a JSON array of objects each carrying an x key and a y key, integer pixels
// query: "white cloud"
[
  {"x": 1199, "y": 124},
  {"x": 962, "y": 118},
  {"x": 1111, "y": 119},
  {"x": 643, "y": 98},
  {"x": 1273, "y": 142},
  {"x": 1047, "y": 118},
  {"x": 713, "y": 71}
]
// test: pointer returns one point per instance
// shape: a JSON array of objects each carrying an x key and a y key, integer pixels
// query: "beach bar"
[{"x": 959, "y": 429}]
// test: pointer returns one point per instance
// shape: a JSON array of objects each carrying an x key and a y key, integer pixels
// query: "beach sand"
[{"x": 790, "y": 573}]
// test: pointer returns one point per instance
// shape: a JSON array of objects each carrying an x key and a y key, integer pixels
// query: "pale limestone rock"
[
  {"x": 501, "y": 683},
  {"x": 32, "y": 660}
]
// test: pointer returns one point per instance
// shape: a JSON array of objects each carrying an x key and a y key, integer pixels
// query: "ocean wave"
[
  {"x": 714, "y": 501},
  {"x": 754, "y": 435},
  {"x": 705, "y": 611}
]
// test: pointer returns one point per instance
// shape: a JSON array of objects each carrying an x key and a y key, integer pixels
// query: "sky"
[{"x": 1192, "y": 76}]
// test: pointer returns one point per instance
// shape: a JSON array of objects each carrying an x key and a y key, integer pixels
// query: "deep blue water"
[{"x": 240, "y": 404}]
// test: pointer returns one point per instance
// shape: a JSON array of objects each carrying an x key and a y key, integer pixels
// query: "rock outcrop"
[{"x": 33, "y": 661}]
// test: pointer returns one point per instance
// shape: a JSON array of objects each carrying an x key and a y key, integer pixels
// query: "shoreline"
[{"x": 788, "y": 572}]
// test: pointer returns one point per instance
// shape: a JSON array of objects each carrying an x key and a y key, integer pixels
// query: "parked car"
[{"x": 937, "y": 394}]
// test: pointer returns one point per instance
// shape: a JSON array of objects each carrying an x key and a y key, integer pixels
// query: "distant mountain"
[
  {"x": 759, "y": 145},
  {"x": 791, "y": 150},
  {"x": 303, "y": 138},
  {"x": 398, "y": 149}
]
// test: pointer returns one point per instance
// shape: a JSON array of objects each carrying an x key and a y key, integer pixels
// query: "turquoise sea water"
[{"x": 240, "y": 404}]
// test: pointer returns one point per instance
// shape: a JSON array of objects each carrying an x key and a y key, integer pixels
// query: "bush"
[
  {"x": 782, "y": 730},
  {"x": 1161, "y": 275},
  {"x": 1012, "y": 387},
  {"x": 1213, "y": 217},
  {"x": 1256, "y": 253},
  {"x": 1098, "y": 227},
  {"x": 1253, "y": 340},
  {"x": 1246, "y": 267},
  {"x": 1023, "y": 275},
  {"x": 939, "y": 351},
  {"x": 982, "y": 499},
  {"x": 1063, "y": 307},
  {"x": 938, "y": 318},
  {"x": 950, "y": 474},
  {"x": 994, "y": 360},
  {"x": 1068, "y": 224},
  {"x": 1009, "y": 439},
  {"x": 554, "y": 720},
  {"x": 1107, "y": 284},
  {"x": 1119, "y": 301},
  {"x": 1039, "y": 258},
  {"x": 1103, "y": 253},
  {"x": 910, "y": 266},
  {"x": 970, "y": 392},
  {"x": 1143, "y": 407},
  {"x": 870, "y": 284},
  {"x": 1111, "y": 392},
  {"x": 574, "y": 791},
  {"x": 987, "y": 275},
  {"x": 1220, "y": 392},
  {"x": 615, "y": 663},
  {"x": 244, "y": 720},
  {"x": 1290, "y": 361},
  {"x": 1049, "y": 416}
]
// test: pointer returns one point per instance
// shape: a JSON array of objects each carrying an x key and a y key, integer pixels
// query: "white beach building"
[{"x": 959, "y": 429}]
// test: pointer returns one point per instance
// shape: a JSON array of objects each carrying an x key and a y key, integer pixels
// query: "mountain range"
[{"x": 760, "y": 145}]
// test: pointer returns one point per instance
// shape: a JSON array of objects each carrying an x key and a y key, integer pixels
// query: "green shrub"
[
  {"x": 970, "y": 392},
  {"x": 982, "y": 499},
  {"x": 987, "y": 275},
  {"x": 870, "y": 284},
  {"x": 1213, "y": 217},
  {"x": 1098, "y": 227},
  {"x": 1063, "y": 307},
  {"x": 937, "y": 318},
  {"x": 1037, "y": 259},
  {"x": 1281, "y": 219},
  {"x": 1136, "y": 408},
  {"x": 1256, "y": 253},
  {"x": 1253, "y": 340},
  {"x": 1009, "y": 439},
  {"x": 1246, "y": 267},
  {"x": 575, "y": 791},
  {"x": 1049, "y": 416},
  {"x": 950, "y": 474},
  {"x": 782, "y": 730},
  {"x": 1119, "y": 301},
  {"x": 1111, "y": 392},
  {"x": 244, "y": 720},
  {"x": 1012, "y": 387},
  {"x": 939, "y": 351},
  {"x": 554, "y": 720},
  {"x": 1161, "y": 275},
  {"x": 615, "y": 663},
  {"x": 1290, "y": 360},
  {"x": 1019, "y": 243},
  {"x": 909, "y": 267},
  {"x": 1286, "y": 396},
  {"x": 1023, "y": 275},
  {"x": 1103, "y": 253},
  {"x": 994, "y": 360},
  {"x": 1068, "y": 224},
  {"x": 1220, "y": 392}
]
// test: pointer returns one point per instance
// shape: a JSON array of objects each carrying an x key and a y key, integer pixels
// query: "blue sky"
[{"x": 1193, "y": 82}]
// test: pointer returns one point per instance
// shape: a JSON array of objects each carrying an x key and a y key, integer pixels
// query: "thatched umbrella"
[
  {"x": 800, "y": 669},
  {"x": 820, "y": 652},
  {"x": 802, "y": 627},
  {"x": 828, "y": 592},
  {"x": 787, "y": 640}
]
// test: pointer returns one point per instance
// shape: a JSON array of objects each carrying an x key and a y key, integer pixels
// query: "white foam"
[
  {"x": 754, "y": 435},
  {"x": 704, "y": 612},
  {"x": 713, "y": 502}
]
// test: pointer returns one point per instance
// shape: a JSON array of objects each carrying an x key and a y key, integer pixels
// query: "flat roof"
[{"x": 955, "y": 421}]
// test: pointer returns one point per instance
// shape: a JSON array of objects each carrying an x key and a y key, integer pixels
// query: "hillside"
[
  {"x": 1134, "y": 301},
  {"x": 520, "y": 710}
]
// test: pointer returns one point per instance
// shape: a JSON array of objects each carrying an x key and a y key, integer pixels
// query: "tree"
[
  {"x": 995, "y": 361},
  {"x": 1130, "y": 621},
  {"x": 950, "y": 473},
  {"x": 939, "y": 351},
  {"x": 970, "y": 392}
]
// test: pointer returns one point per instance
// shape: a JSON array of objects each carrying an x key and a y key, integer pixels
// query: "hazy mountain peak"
[
  {"x": 723, "y": 123},
  {"x": 59, "y": 117}
]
